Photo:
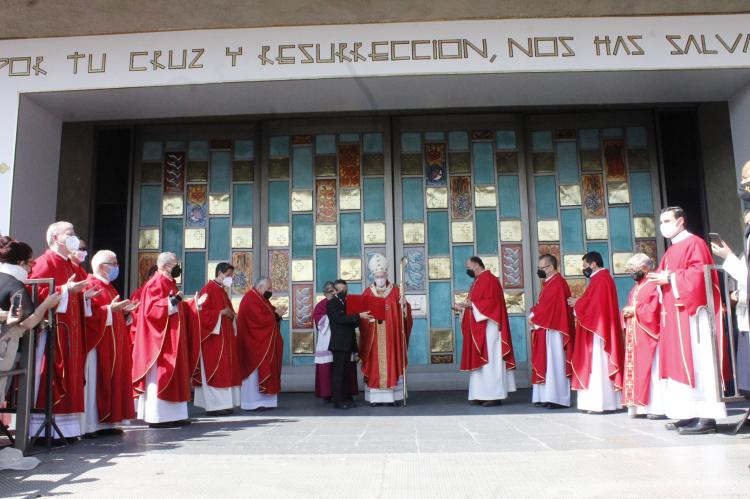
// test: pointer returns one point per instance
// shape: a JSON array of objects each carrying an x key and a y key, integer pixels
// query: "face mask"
[
  {"x": 113, "y": 273},
  {"x": 747, "y": 230},
  {"x": 72, "y": 243},
  {"x": 742, "y": 191},
  {"x": 267, "y": 294},
  {"x": 637, "y": 276},
  {"x": 668, "y": 230},
  {"x": 341, "y": 295},
  {"x": 540, "y": 274},
  {"x": 81, "y": 255},
  {"x": 176, "y": 271},
  {"x": 470, "y": 273},
  {"x": 380, "y": 282},
  {"x": 227, "y": 282},
  {"x": 588, "y": 271}
]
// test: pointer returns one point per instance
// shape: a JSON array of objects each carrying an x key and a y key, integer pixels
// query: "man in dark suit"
[{"x": 343, "y": 343}]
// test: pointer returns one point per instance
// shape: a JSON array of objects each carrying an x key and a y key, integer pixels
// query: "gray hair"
[
  {"x": 640, "y": 260},
  {"x": 99, "y": 258},
  {"x": 165, "y": 259},
  {"x": 55, "y": 229},
  {"x": 328, "y": 286},
  {"x": 260, "y": 281}
]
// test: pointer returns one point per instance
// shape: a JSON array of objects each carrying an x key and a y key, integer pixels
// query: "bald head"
[{"x": 745, "y": 171}]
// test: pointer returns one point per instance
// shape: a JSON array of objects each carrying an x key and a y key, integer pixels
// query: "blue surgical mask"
[{"x": 114, "y": 271}]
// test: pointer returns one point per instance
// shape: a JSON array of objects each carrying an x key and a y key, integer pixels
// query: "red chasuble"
[
  {"x": 685, "y": 260},
  {"x": 219, "y": 350},
  {"x": 135, "y": 298},
  {"x": 383, "y": 346},
  {"x": 114, "y": 361},
  {"x": 261, "y": 346},
  {"x": 551, "y": 312},
  {"x": 597, "y": 313},
  {"x": 641, "y": 338},
  {"x": 162, "y": 340},
  {"x": 487, "y": 295},
  {"x": 67, "y": 380}
]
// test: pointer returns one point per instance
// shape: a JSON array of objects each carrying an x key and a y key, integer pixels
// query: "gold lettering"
[
  {"x": 542, "y": 39},
  {"x": 602, "y": 41},
  {"x": 303, "y": 48},
  {"x": 263, "y": 56},
  {"x": 395, "y": 57},
  {"x": 25, "y": 61},
  {"x": 691, "y": 40},
  {"x": 234, "y": 55},
  {"x": 155, "y": 60},
  {"x": 133, "y": 67},
  {"x": 512, "y": 43},
  {"x": 638, "y": 49},
  {"x": 378, "y": 56},
  {"x": 355, "y": 52},
  {"x": 182, "y": 65},
  {"x": 443, "y": 43},
  {"x": 734, "y": 45},
  {"x": 703, "y": 46},
  {"x": 37, "y": 67},
  {"x": 677, "y": 50},
  {"x": 284, "y": 59},
  {"x": 468, "y": 44},
  {"x": 194, "y": 63},
  {"x": 317, "y": 54},
  {"x": 74, "y": 57},
  {"x": 102, "y": 65},
  {"x": 341, "y": 54},
  {"x": 568, "y": 51},
  {"x": 414, "y": 55},
  {"x": 620, "y": 43}
]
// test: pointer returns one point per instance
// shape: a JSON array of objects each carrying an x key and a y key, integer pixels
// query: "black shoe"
[
  {"x": 552, "y": 405},
  {"x": 327, "y": 400},
  {"x": 56, "y": 442},
  {"x": 166, "y": 424},
  {"x": 375, "y": 404},
  {"x": 351, "y": 404},
  {"x": 701, "y": 426},
  {"x": 492, "y": 403},
  {"x": 674, "y": 425},
  {"x": 475, "y": 402},
  {"x": 89, "y": 436},
  {"x": 541, "y": 405},
  {"x": 105, "y": 432},
  {"x": 222, "y": 412},
  {"x": 655, "y": 417},
  {"x": 337, "y": 405}
]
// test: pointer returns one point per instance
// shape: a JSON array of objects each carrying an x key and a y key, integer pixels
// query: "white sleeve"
[
  {"x": 478, "y": 316},
  {"x": 172, "y": 309},
  {"x": 87, "y": 308},
  {"x": 736, "y": 268},
  {"x": 62, "y": 307},
  {"x": 673, "y": 282},
  {"x": 109, "y": 316},
  {"x": 217, "y": 327}
]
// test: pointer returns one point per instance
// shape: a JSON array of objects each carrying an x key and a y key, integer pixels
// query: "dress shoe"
[
  {"x": 655, "y": 417},
  {"x": 674, "y": 425},
  {"x": 338, "y": 405},
  {"x": 106, "y": 432},
  {"x": 375, "y": 404},
  {"x": 701, "y": 426},
  {"x": 475, "y": 402},
  {"x": 222, "y": 412},
  {"x": 89, "y": 436},
  {"x": 492, "y": 403},
  {"x": 541, "y": 405},
  {"x": 552, "y": 405}
]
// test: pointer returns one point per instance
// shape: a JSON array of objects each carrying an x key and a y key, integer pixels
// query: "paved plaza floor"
[{"x": 438, "y": 446}]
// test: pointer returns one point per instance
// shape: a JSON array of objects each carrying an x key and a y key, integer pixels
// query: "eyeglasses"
[{"x": 542, "y": 268}]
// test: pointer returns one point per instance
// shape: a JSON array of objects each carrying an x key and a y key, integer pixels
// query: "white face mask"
[
  {"x": 81, "y": 255},
  {"x": 227, "y": 282},
  {"x": 380, "y": 282},
  {"x": 72, "y": 243},
  {"x": 668, "y": 230}
]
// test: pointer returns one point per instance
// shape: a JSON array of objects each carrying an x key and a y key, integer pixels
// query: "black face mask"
[
  {"x": 747, "y": 230},
  {"x": 341, "y": 295},
  {"x": 587, "y": 272},
  {"x": 176, "y": 271},
  {"x": 637, "y": 276},
  {"x": 540, "y": 274},
  {"x": 742, "y": 192},
  {"x": 267, "y": 294},
  {"x": 470, "y": 273}
]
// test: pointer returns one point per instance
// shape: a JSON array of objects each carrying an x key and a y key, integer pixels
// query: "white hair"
[
  {"x": 55, "y": 229},
  {"x": 165, "y": 259},
  {"x": 260, "y": 280},
  {"x": 100, "y": 257},
  {"x": 640, "y": 260}
]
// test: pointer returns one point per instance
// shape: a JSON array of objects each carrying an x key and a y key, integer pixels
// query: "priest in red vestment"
[
  {"x": 67, "y": 371},
  {"x": 217, "y": 376},
  {"x": 136, "y": 298},
  {"x": 384, "y": 340},
  {"x": 261, "y": 347},
  {"x": 552, "y": 329},
  {"x": 109, "y": 386},
  {"x": 686, "y": 358},
  {"x": 161, "y": 359},
  {"x": 598, "y": 344},
  {"x": 487, "y": 345},
  {"x": 643, "y": 388}
]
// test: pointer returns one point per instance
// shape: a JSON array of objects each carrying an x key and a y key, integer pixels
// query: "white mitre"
[{"x": 378, "y": 263}]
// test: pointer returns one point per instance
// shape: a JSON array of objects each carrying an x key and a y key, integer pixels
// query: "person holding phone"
[{"x": 737, "y": 270}]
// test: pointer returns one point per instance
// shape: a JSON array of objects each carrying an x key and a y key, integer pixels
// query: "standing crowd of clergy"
[{"x": 147, "y": 356}]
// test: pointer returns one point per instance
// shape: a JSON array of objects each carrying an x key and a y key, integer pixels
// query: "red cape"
[
  {"x": 385, "y": 360},
  {"x": 162, "y": 340},
  {"x": 67, "y": 380},
  {"x": 686, "y": 260},
  {"x": 641, "y": 338},
  {"x": 597, "y": 313},
  {"x": 551, "y": 312},
  {"x": 487, "y": 295},
  {"x": 219, "y": 350},
  {"x": 114, "y": 386},
  {"x": 261, "y": 346}
]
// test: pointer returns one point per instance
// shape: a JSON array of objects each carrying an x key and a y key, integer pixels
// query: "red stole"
[
  {"x": 686, "y": 260},
  {"x": 219, "y": 350},
  {"x": 641, "y": 338},
  {"x": 261, "y": 346},
  {"x": 384, "y": 356},
  {"x": 597, "y": 313},
  {"x": 114, "y": 387},
  {"x": 551, "y": 312},
  {"x": 162, "y": 340},
  {"x": 487, "y": 295},
  {"x": 67, "y": 378}
]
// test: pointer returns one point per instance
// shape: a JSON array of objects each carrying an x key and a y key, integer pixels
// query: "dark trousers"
[{"x": 340, "y": 376}]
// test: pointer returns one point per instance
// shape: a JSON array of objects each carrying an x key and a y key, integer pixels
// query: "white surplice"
[
  {"x": 556, "y": 386},
  {"x": 212, "y": 398},
  {"x": 250, "y": 396},
  {"x": 600, "y": 395},
  {"x": 492, "y": 381}
]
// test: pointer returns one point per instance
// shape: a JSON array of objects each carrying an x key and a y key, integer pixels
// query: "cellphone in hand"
[
  {"x": 15, "y": 305},
  {"x": 715, "y": 238}
]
